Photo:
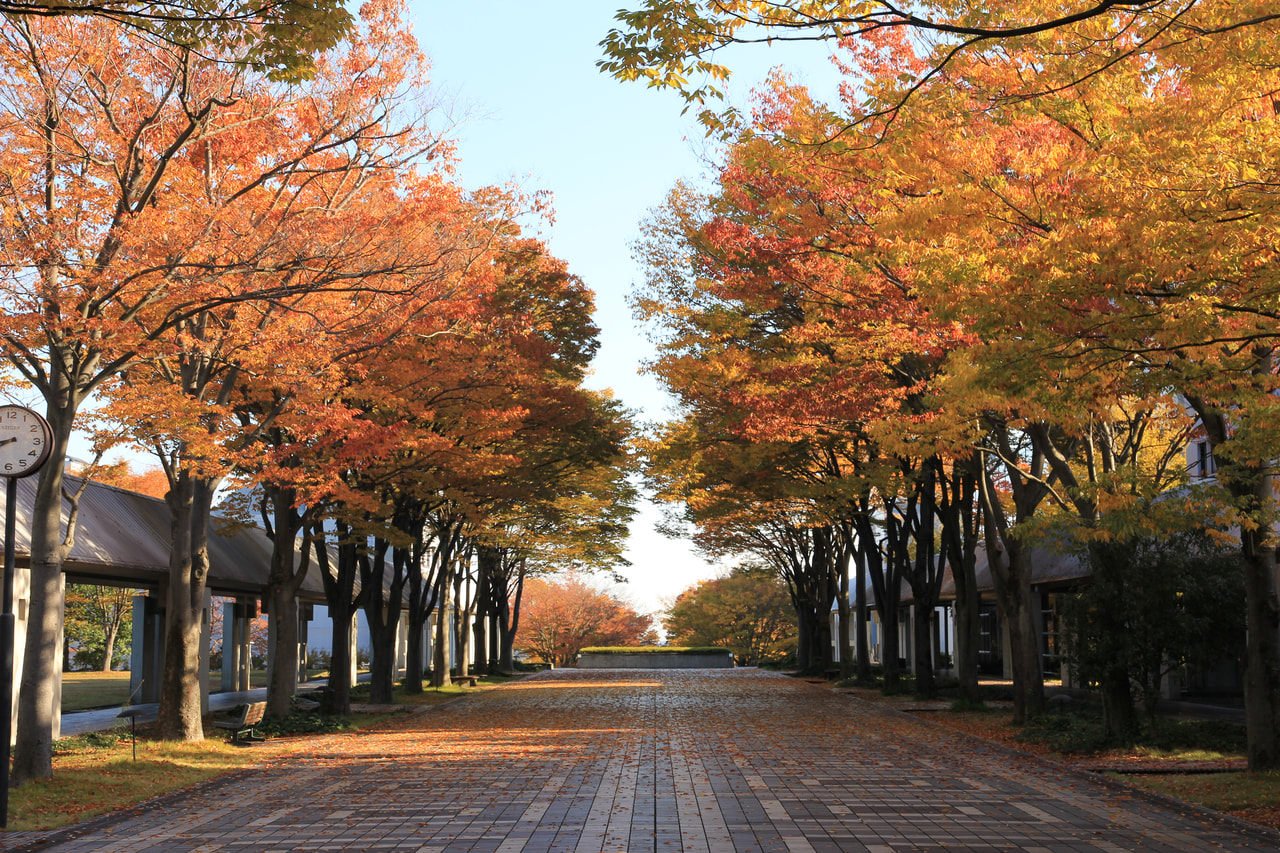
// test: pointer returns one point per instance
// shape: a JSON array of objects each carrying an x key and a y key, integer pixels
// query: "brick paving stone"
[{"x": 706, "y": 761}]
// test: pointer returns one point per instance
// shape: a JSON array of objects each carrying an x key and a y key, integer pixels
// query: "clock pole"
[
  {"x": 7, "y": 624},
  {"x": 23, "y": 454}
]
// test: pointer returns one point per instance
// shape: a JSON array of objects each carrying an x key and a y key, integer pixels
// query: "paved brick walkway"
[{"x": 694, "y": 760}]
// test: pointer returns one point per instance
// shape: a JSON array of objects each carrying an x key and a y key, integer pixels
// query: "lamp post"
[{"x": 25, "y": 443}]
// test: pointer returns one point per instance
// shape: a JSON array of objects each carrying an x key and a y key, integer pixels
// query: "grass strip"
[{"x": 94, "y": 774}]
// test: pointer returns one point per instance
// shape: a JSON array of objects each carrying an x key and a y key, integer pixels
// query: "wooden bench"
[
  {"x": 469, "y": 679},
  {"x": 242, "y": 724}
]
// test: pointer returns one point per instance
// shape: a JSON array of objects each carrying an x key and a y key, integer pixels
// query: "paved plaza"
[{"x": 678, "y": 760}]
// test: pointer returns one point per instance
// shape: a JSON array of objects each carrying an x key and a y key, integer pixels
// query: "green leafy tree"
[
  {"x": 278, "y": 37},
  {"x": 1164, "y": 602},
  {"x": 749, "y": 612},
  {"x": 99, "y": 622}
]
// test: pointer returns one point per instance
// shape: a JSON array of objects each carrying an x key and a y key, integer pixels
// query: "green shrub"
[
  {"x": 1083, "y": 730},
  {"x": 524, "y": 666},
  {"x": 1207, "y": 735},
  {"x": 962, "y": 705},
  {"x": 302, "y": 722},
  {"x": 89, "y": 740},
  {"x": 1074, "y": 732}
]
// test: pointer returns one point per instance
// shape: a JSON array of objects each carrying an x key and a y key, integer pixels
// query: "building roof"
[
  {"x": 1049, "y": 568},
  {"x": 122, "y": 539}
]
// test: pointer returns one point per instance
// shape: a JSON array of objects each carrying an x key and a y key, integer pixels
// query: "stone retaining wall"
[{"x": 654, "y": 660}]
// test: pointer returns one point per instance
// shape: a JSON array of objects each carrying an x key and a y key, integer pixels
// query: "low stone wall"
[{"x": 654, "y": 660}]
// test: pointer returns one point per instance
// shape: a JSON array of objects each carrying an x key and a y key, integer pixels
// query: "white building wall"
[{"x": 320, "y": 633}]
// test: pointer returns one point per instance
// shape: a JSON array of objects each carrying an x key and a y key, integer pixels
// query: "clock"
[{"x": 25, "y": 441}]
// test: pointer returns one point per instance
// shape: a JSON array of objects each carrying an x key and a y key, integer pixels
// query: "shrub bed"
[{"x": 655, "y": 657}]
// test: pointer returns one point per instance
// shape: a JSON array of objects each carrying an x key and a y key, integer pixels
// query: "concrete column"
[
  {"x": 428, "y": 640},
  {"x": 1068, "y": 675},
  {"x": 947, "y": 628},
  {"x": 137, "y": 649},
  {"x": 835, "y": 636},
  {"x": 355, "y": 647},
  {"x": 1006, "y": 658},
  {"x": 907, "y": 638},
  {"x": 1037, "y": 621},
  {"x": 57, "y": 678},
  {"x": 453, "y": 636},
  {"x": 206, "y": 640},
  {"x": 402, "y": 644},
  {"x": 230, "y": 650},
  {"x": 248, "y": 611},
  {"x": 146, "y": 660},
  {"x": 273, "y": 628},
  {"x": 873, "y": 642},
  {"x": 1171, "y": 683},
  {"x": 480, "y": 654},
  {"x": 295, "y": 658},
  {"x": 21, "y": 606},
  {"x": 306, "y": 613},
  {"x": 425, "y": 641}
]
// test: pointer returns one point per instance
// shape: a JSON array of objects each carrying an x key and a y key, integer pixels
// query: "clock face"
[{"x": 25, "y": 441}]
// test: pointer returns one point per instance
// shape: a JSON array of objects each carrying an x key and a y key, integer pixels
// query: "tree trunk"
[
  {"x": 108, "y": 646},
  {"x": 441, "y": 663},
  {"x": 922, "y": 630},
  {"x": 284, "y": 581},
  {"x": 1262, "y": 660},
  {"x": 339, "y": 593},
  {"x": 382, "y": 656},
  {"x": 1119, "y": 711},
  {"x": 842, "y": 604},
  {"x": 33, "y": 747},
  {"x": 283, "y": 613},
  {"x": 190, "y": 501},
  {"x": 381, "y": 619},
  {"x": 863, "y": 616},
  {"x": 509, "y": 624},
  {"x": 890, "y": 648},
  {"x": 381, "y": 614},
  {"x": 414, "y": 665},
  {"x": 462, "y": 625},
  {"x": 1013, "y": 590},
  {"x": 1011, "y": 575},
  {"x": 340, "y": 662},
  {"x": 968, "y": 631},
  {"x": 804, "y": 640},
  {"x": 480, "y": 613}
]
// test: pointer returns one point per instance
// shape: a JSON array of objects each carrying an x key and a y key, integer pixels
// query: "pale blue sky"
[{"x": 539, "y": 112}]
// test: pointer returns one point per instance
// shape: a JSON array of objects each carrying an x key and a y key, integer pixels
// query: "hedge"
[{"x": 665, "y": 650}]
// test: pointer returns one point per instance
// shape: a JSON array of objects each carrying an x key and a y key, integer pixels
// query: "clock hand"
[{"x": 10, "y": 440}]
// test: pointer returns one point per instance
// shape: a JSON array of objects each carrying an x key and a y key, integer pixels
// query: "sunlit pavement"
[{"x": 693, "y": 760}]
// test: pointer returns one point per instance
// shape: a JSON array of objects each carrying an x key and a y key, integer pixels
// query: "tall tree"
[
  {"x": 749, "y": 612},
  {"x": 678, "y": 44},
  {"x": 97, "y": 617},
  {"x": 329, "y": 219},
  {"x": 84, "y": 180},
  {"x": 562, "y": 618}
]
